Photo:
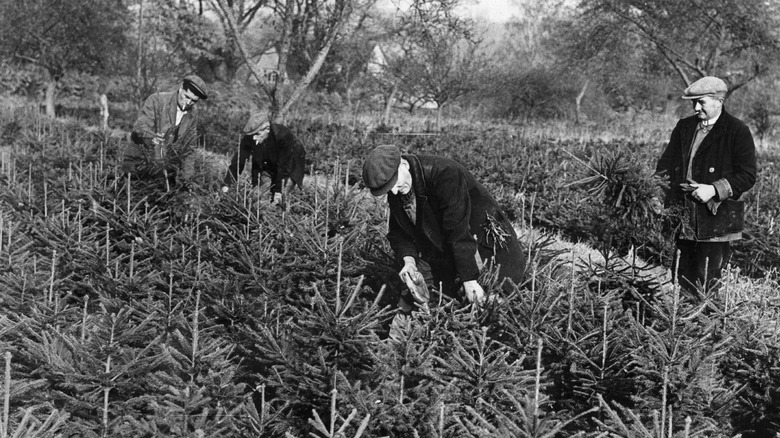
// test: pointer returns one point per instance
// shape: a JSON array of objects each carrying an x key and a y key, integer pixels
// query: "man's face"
[
  {"x": 260, "y": 135},
  {"x": 187, "y": 99},
  {"x": 707, "y": 107},
  {"x": 404, "y": 183}
]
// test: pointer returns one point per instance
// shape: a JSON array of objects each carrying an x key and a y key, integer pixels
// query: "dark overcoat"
[
  {"x": 726, "y": 153},
  {"x": 452, "y": 208},
  {"x": 281, "y": 155}
]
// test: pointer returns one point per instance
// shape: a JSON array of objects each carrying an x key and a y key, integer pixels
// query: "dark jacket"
[
  {"x": 452, "y": 207},
  {"x": 727, "y": 153},
  {"x": 158, "y": 116},
  {"x": 280, "y": 154}
]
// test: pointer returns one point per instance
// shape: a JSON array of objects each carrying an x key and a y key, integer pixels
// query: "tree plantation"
[{"x": 144, "y": 308}]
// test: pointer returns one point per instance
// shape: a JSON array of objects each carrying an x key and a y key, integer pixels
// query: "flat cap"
[
  {"x": 706, "y": 86},
  {"x": 196, "y": 84},
  {"x": 256, "y": 123},
  {"x": 380, "y": 170}
]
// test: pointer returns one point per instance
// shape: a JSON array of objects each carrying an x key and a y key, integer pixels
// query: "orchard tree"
[
  {"x": 733, "y": 39},
  {"x": 61, "y": 36},
  {"x": 246, "y": 15},
  {"x": 172, "y": 38},
  {"x": 526, "y": 78},
  {"x": 346, "y": 69},
  {"x": 293, "y": 15},
  {"x": 440, "y": 67},
  {"x": 431, "y": 56}
]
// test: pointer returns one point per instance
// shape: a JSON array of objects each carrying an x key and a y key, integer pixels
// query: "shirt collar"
[{"x": 707, "y": 124}]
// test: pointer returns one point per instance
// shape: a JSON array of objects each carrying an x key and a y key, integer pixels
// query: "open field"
[{"x": 132, "y": 310}]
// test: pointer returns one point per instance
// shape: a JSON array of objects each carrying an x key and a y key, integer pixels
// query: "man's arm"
[
  {"x": 402, "y": 244},
  {"x": 144, "y": 128},
  {"x": 451, "y": 191},
  {"x": 743, "y": 163},
  {"x": 245, "y": 147},
  {"x": 290, "y": 158}
]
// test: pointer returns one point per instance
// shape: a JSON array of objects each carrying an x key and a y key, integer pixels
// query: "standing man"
[
  {"x": 273, "y": 149},
  {"x": 165, "y": 132},
  {"x": 444, "y": 225},
  {"x": 710, "y": 162}
]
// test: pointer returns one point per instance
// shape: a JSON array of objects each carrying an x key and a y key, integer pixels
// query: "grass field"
[{"x": 132, "y": 310}]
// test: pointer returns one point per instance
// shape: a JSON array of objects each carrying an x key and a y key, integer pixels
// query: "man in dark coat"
[
  {"x": 165, "y": 132},
  {"x": 444, "y": 225},
  {"x": 710, "y": 162},
  {"x": 273, "y": 149}
]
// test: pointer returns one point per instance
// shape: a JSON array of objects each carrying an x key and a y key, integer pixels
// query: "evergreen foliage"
[{"x": 135, "y": 309}]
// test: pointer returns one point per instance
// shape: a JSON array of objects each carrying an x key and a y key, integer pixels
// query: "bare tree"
[
  {"x": 281, "y": 90},
  {"x": 431, "y": 56},
  {"x": 734, "y": 39},
  {"x": 61, "y": 36}
]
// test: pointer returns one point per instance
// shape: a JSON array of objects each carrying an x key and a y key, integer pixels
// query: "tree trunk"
[
  {"x": 140, "y": 81},
  {"x": 578, "y": 102},
  {"x": 276, "y": 91},
  {"x": 389, "y": 105},
  {"x": 51, "y": 91}
]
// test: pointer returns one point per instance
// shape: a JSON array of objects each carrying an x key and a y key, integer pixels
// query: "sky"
[{"x": 489, "y": 10}]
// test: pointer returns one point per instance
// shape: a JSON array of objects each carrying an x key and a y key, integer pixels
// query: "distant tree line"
[{"x": 553, "y": 59}]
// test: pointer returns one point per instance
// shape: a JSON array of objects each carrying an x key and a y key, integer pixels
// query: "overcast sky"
[{"x": 490, "y": 10}]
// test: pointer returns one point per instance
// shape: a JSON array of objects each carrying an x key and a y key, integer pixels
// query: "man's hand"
[
  {"x": 703, "y": 192},
  {"x": 409, "y": 271},
  {"x": 656, "y": 205},
  {"x": 277, "y": 198},
  {"x": 474, "y": 292}
]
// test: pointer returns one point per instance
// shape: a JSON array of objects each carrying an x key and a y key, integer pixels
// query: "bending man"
[
  {"x": 444, "y": 225},
  {"x": 273, "y": 149}
]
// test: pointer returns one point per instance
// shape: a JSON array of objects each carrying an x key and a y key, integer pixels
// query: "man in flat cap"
[
  {"x": 165, "y": 132},
  {"x": 444, "y": 225},
  {"x": 709, "y": 163},
  {"x": 273, "y": 149}
]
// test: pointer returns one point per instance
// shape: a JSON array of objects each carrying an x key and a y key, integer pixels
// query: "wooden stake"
[
  {"x": 107, "y": 390},
  {"x": 51, "y": 279},
  {"x": 84, "y": 319},
  {"x": 80, "y": 226},
  {"x": 132, "y": 259},
  {"x": 538, "y": 384},
  {"x": 29, "y": 184},
  {"x": 108, "y": 246},
  {"x": 128, "y": 195},
  {"x": 195, "y": 332},
  {"x": 338, "y": 275},
  {"x": 6, "y": 395}
]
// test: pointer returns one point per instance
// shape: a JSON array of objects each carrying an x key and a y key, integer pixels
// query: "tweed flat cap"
[
  {"x": 256, "y": 123},
  {"x": 380, "y": 170},
  {"x": 196, "y": 84},
  {"x": 706, "y": 86}
]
